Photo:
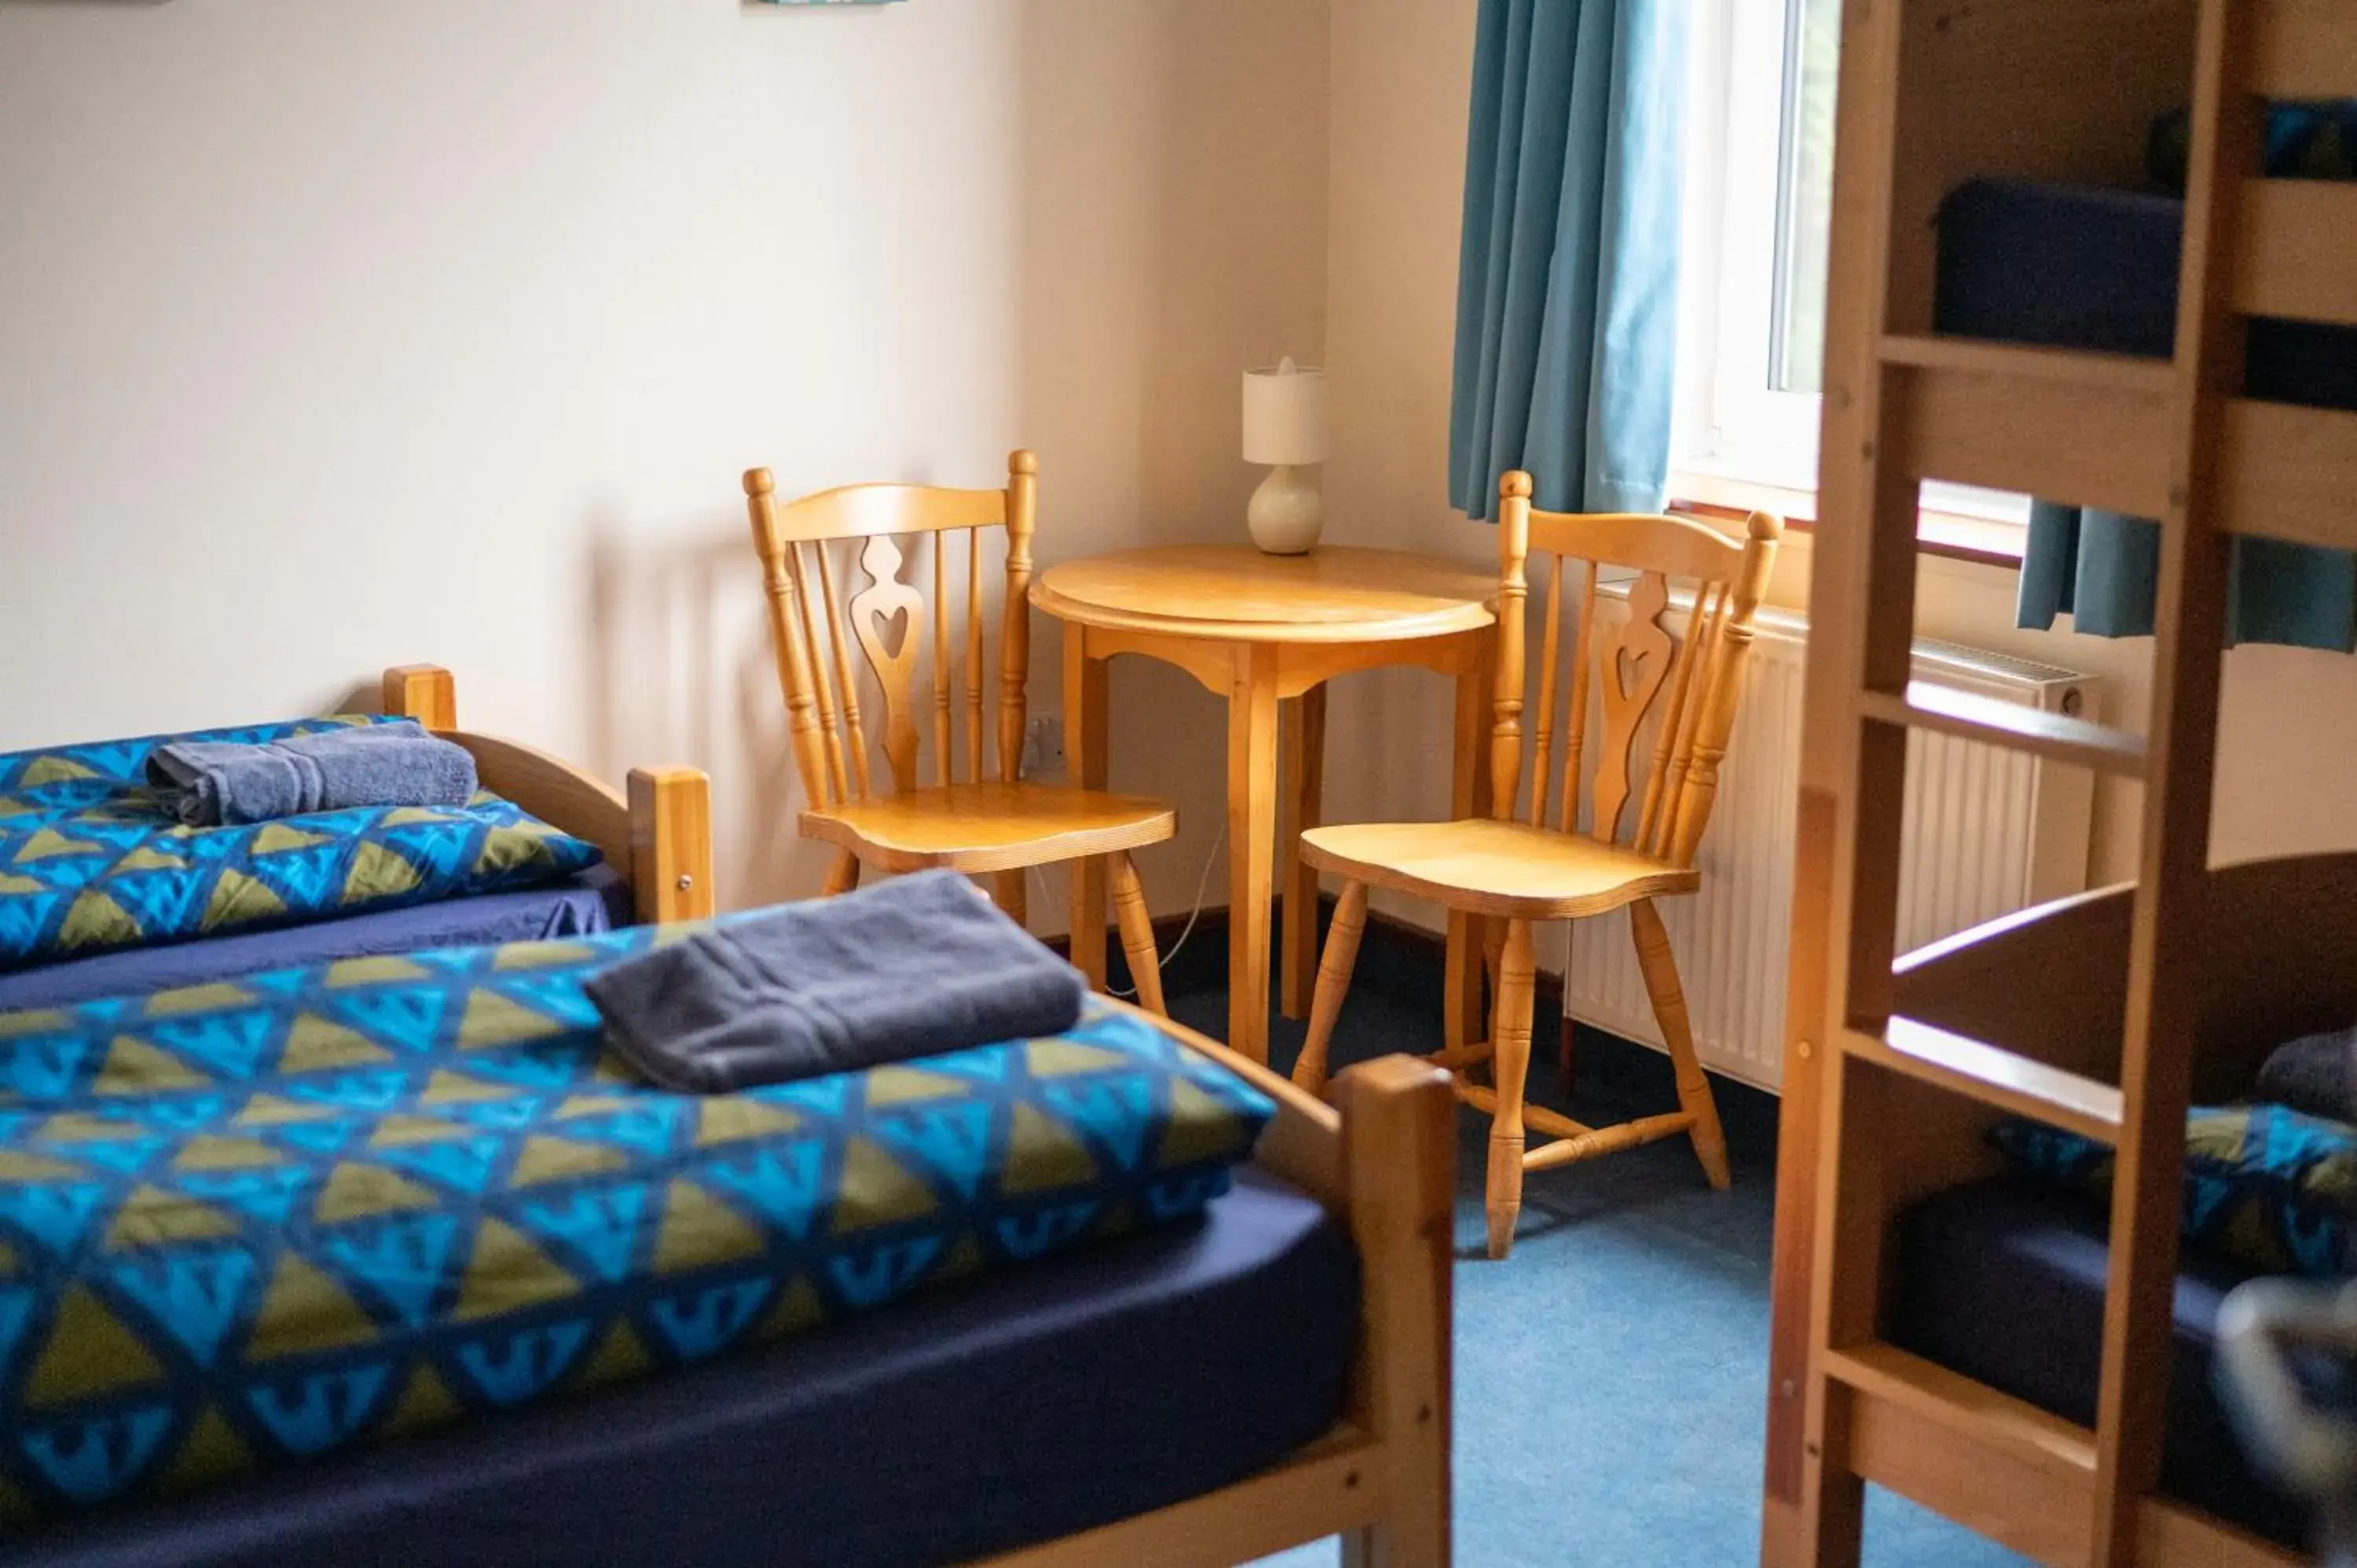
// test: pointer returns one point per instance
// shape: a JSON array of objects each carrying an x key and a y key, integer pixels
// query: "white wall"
[{"x": 335, "y": 335}]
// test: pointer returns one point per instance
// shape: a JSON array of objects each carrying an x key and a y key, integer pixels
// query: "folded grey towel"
[
  {"x": 912, "y": 967},
  {"x": 214, "y": 783}
]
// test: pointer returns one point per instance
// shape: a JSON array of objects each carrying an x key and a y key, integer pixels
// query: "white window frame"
[{"x": 1732, "y": 430}]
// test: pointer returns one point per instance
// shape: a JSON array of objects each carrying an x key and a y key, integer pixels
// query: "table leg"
[
  {"x": 1463, "y": 1022},
  {"x": 1085, "y": 713},
  {"x": 1304, "y": 789},
  {"x": 1252, "y": 844}
]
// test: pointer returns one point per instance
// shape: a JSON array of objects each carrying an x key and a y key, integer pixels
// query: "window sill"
[{"x": 1952, "y": 536}]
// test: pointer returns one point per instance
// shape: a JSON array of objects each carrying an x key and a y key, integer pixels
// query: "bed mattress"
[
  {"x": 594, "y": 900},
  {"x": 2002, "y": 1281},
  {"x": 2080, "y": 267},
  {"x": 1012, "y": 1409}
]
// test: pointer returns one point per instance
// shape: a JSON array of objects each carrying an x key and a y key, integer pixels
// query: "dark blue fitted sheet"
[
  {"x": 2078, "y": 266},
  {"x": 596, "y": 900},
  {"x": 2002, "y": 1281},
  {"x": 1028, "y": 1405}
]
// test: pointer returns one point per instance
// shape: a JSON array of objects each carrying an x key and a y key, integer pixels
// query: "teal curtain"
[
  {"x": 1567, "y": 311},
  {"x": 2100, "y": 568}
]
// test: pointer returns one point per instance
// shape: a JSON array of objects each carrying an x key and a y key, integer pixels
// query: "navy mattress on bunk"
[
  {"x": 2002, "y": 1281},
  {"x": 2077, "y": 266},
  {"x": 1022, "y": 1407},
  {"x": 597, "y": 899}
]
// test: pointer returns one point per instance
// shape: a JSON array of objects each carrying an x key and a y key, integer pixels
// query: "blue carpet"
[{"x": 1611, "y": 1375}]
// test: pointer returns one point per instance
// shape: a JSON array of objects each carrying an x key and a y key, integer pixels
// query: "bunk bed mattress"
[
  {"x": 1018, "y": 1408},
  {"x": 2002, "y": 1281},
  {"x": 2076, "y": 267},
  {"x": 592, "y": 901}
]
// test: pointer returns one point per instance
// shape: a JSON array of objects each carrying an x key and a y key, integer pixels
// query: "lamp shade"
[{"x": 1285, "y": 415}]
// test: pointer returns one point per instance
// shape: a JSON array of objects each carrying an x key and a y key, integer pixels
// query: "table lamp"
[{"x": 1284, "y": 425}]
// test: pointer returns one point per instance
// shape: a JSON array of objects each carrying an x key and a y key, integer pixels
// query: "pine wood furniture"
[
  {"x": 2105, "y": 1014},
  {"x": 1267, "y": 632},
  {"x": 659, "y": 834},
  {"x": 1516, "y": 867},
  {"x": 1386, "y": 1166},
  {"x": 990, "y": 820}
]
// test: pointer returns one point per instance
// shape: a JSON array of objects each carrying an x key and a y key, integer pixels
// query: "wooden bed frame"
[
  {"x": 2104, "y": 1014},
  {"x": 1384, "y": 1164},
  {"x": 659, "y": 835}
]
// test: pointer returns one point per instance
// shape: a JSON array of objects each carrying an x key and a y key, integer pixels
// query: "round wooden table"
[{"x": 1266, "y": 632}]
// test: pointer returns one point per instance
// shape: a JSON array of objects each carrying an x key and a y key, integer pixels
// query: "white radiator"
[{"x": 1988, "y": 831}]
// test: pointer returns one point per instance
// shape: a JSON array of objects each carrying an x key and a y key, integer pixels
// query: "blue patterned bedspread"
[
  {"x": 255, "y": 1222},
  {"x": 88, "y": 862}
]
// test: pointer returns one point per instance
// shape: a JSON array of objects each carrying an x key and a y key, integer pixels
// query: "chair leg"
[
  {"x": 1517, "y": 975},
  {"x": 841, "y": 876},
  {"x": 1334, "y": 968},
  {"x": 1669, "y": 998},
  {"x": 1137, "y": 933},
  {"x": 1567, "y": 1068},
  {"x": 1493, "y": 951},
  {"x": 1009, "y": 891}
]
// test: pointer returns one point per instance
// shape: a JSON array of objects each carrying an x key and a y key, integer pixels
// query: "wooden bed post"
[
  {"x": 422, "y": 692},
  {"x": 671, "y": 845},
  {"x": 1399, "y": 1171},
  {"x": 660, "y": 835}
]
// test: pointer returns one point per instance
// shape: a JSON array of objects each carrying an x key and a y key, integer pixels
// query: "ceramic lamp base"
[{"x": 1287, "y": 512}]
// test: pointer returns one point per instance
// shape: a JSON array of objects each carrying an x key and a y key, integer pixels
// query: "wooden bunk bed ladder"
[{"x": 2176, "y": 440}]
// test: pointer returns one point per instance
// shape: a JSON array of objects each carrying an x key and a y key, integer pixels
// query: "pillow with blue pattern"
[{"x": 2265, "y": 1185}]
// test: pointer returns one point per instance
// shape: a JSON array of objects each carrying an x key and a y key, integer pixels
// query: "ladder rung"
[
  {"x": 2289, "y": 472},
  {"x": 2084, "y": 427},
  {"x": 2293, "y": 236},
  {"x": 2304, "y": 49},
  {"x": 1972, "y": 1410},
  {"x": 2139, "y": 374},
  {"x": 1991, "y": 1463},
  {"x": 1995, "y": 722},
  {"x": 1992, "y": 1075}
]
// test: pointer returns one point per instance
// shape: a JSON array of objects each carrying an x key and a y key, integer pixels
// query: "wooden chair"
[
  {"x": 1521, "y": 871},
  {"x": 987, "y": 823}
]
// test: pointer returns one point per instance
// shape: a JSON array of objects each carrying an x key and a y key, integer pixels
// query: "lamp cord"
[{"x": 1202, "y": 885}]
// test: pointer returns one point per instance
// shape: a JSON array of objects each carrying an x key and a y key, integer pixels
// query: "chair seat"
[
  {"x": 1488, "y": 868},
  {"x": 991, "y": 827}
]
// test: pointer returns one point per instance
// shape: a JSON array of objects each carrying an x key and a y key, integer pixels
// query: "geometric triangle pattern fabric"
[
  {"x": 90, "y": 863},
  {"x": 279, "y": 1217},
  {"x": 2269, "y": 1188}
]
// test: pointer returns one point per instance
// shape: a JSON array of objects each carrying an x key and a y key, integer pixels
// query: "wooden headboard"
[{"x": 660, "y": 833}]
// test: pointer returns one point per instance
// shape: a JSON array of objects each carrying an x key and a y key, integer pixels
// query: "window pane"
[{"x": 1805, "y": 210}]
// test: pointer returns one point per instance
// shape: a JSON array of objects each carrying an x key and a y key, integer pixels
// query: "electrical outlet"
[{"x": 1043, "y": 747}]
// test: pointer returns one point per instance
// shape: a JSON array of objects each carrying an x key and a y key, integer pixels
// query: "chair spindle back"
[
  {"x": 1625, "y": 671},
  {"x": 811, "y": 630}
]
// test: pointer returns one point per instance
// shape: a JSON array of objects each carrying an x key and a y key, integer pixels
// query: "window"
[{"x": 1761, "y": 93}]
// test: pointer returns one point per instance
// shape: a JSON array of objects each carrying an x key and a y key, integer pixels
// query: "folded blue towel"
[
  {"x": 216, "y": 783},
  {"x": 913, "y": 967}
]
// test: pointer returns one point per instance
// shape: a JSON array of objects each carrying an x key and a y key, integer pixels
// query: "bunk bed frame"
[
  {"x": 2086, "y": 1013},
  {"x": 659, "y": 834}
]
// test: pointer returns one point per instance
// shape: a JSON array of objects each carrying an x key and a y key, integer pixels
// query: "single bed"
[
  {"x": 516, "y": 1293},
  {"x": 1027, "y": 1406},
  {"x": 655, "y": 844}
]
